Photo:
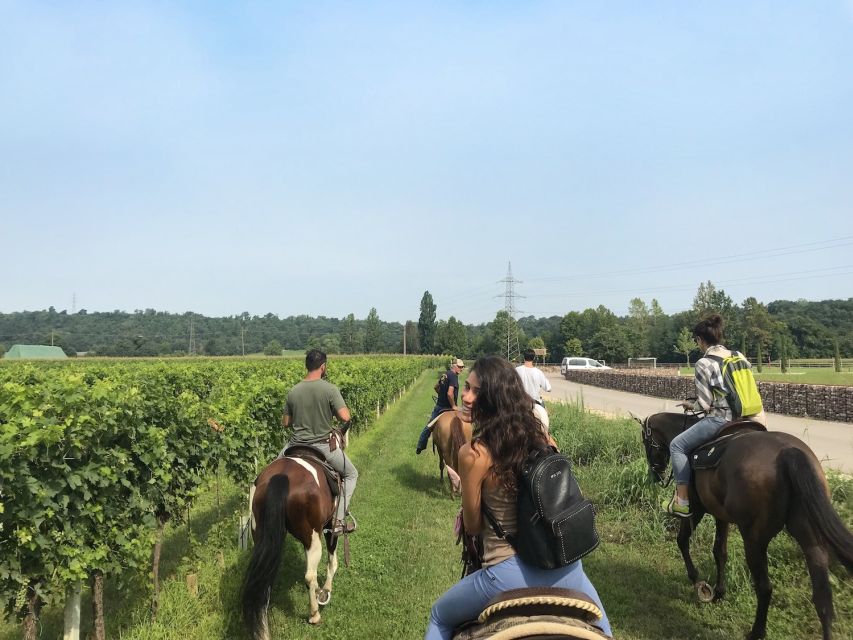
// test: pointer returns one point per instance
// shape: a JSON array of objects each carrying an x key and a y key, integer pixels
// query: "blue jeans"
[
  {"x": 424, "y": 438},
  {"x": 468, "y": 597},
  {"x": 685, "y": 442}
]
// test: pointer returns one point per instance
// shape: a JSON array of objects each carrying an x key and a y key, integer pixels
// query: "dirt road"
[{"x": 832, "y": 442}]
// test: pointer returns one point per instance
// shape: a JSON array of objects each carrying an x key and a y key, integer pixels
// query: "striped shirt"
[{"x": 710, "y": 389}]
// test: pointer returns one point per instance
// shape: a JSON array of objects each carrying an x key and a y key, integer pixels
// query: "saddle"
[
  {"x": 309, "y": 453},
  {"x": 535, "y": 613},
  {"x": 708, "y": 455}
]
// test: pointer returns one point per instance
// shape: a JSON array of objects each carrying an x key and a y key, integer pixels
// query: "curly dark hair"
[{"x": 503, "y": 417}]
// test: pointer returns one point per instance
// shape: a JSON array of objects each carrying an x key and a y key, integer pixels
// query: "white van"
[{"x": 573, "y": 364}]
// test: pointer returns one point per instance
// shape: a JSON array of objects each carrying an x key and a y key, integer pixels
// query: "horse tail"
[
  {"x": 811, "y": 492},
  {"x": 266, "y": 555},
  {"x": 457, "y": 440}
]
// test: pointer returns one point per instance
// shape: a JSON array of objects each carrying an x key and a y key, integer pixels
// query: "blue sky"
[{"x": 324, "y": 158}]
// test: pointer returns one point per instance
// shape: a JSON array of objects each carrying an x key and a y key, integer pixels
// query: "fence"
[{"x": 815, "y": 401}]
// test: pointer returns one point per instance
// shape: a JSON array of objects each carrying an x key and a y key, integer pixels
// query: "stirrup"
[{"x": 345, "y": 526}]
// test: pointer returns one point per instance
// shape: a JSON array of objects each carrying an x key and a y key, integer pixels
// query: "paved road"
[{"x": 832, "y": 442}]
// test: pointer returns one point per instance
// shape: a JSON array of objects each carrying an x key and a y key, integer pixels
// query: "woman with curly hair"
[{"x": 505, "y": 431}]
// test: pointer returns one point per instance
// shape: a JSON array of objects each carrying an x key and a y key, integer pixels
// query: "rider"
[
  {"x": 506, "y": 431},
  {"x": 309, "y": 409},
  {"x": 534, "y": 382},
  {"x": 710, "y": 398},
  {"x": 448, "y": 395}
]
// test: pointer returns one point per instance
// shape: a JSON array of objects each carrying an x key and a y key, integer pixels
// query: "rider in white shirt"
[{"x": 534, "y": 382}]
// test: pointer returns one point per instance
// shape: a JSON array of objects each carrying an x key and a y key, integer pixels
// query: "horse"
[
  {"x": 291, "y": 494},
  {"x": 449, "y": 433},
  {"x": 764, "y": 482}
]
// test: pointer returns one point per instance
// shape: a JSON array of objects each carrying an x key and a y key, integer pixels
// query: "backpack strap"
[{"x": 500, "y": 532}]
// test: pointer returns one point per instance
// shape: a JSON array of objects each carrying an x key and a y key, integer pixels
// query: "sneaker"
[{"x": 673, "y": 508}]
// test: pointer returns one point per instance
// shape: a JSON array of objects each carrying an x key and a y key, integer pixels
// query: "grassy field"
[
  {"x": 403, "y": 556},
  {"x": 797, "y": 375}
]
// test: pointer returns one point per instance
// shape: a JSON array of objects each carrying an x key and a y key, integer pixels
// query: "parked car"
[{"x": 573, "y": 364}]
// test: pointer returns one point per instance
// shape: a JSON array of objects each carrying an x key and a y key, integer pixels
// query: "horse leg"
[
  {"x": 324, "y": 595},
  {"x": 312, "y": 560},
  {"x": 685, "y": 530},
  {"x": 756, "y": 559},
  {"x": 721, "y": 556},
  {"x": 817, "y": 560}
]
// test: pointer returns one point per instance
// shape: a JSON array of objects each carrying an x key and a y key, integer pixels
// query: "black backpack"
[{"x": 556, "y": 524}]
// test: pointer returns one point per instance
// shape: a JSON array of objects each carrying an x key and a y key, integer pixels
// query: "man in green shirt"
[{"x": 309, "y": 409}]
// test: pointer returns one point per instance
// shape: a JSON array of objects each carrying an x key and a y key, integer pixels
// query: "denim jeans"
[
  {"x": 468, "y": 597},
  {"x": 424, "y": 438},
  {"x": 685, "y": 442}
]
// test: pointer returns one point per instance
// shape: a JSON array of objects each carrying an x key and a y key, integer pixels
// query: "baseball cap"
[{"x": 457, "y": 362}]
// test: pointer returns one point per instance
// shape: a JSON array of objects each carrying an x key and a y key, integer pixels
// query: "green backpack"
[{"x": 742, "y": 396}]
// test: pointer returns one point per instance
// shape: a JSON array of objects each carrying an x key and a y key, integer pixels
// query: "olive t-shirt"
[{"x": 311, "y": 405}]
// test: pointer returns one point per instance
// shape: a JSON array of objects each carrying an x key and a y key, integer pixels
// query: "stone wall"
[{"x": 814, "y": 401}]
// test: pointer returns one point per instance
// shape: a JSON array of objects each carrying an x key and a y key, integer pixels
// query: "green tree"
[
  {"x": 413, "y": 340},
  {"x": 638, "y": 323},
  {"x": 759, "y": 364},
  {"x": 783, "y": 353},
  {"x": 497, "y": 332},
  {"x": 574, "y": 347},
  {"x": 684, "y": 343},
  {"x": 452, "y": 338},
  {"x": 273, "y": 348},
  {"x": 611, "y": 343},
  {"x": 426, "y": 323},
  {"x": 837, "y": 356},
  {"x": 348, "y": 341},
  {"x": 372, "y": 332},
  {"x": 758, "y": 325}
]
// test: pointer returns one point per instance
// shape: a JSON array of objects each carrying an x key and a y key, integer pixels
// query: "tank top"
[{"x": 503, "y": 507}]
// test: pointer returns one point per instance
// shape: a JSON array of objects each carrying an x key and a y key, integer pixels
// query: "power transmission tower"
[
  {"x": 512, "y": 349},
  {"x": 192, "y": 338}
]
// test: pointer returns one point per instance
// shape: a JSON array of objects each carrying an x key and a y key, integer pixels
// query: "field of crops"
[
  {"x": 97, "y": 458},
  {"x": 797, "y": 375},
  {"x": 403, "y": 555}
]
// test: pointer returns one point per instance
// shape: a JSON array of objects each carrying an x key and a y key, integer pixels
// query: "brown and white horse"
[{"x": 291, "y": 494}]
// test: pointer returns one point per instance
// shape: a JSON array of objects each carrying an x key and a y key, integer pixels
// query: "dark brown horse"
[
  {"x": 291, "y": 494},
  {"x": 765, "y": 481}
]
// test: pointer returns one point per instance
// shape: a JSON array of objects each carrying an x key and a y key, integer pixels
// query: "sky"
[{"x": 323, "y": 158}]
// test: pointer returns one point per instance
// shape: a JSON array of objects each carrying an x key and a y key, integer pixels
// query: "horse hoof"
[
  {"x": 315, "y": 619},
  {"x": 704, "y": 591},
  {"x": 324, "y": 596}
]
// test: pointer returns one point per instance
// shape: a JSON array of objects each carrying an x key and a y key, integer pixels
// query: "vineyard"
[
  {"x": 97, "y": 458},
  {"x": 403, "y": 556}
]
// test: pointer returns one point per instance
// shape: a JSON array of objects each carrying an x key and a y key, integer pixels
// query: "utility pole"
[
  {"x": 404, "y": 338},
  {"x": 243, "y": 339},
  {"x": 51, "y": 337},
  {"x": 192, "y": 338},
  {"x": 513, "y": 350}
]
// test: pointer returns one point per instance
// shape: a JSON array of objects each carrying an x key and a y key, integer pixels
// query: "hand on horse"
[
  {"x": 687, "y": 404},
  {"x": 346, "y": 426}
]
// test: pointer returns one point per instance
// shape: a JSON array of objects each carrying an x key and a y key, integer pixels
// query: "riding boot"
[{"x": 422, "y": 441}]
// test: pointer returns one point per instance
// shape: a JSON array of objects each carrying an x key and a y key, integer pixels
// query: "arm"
[
  {"x": 545, "y": 385},
  {"x": 343, "y": 414},
  {"x": 474, "y": 464},
  {"x": 450, "y": 397},
  {"x": 704, "y": 391},
  {"x": 286, "y": 420}
]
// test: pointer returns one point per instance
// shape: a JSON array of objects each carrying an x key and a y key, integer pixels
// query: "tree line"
[{"x": 796, "y": 329}]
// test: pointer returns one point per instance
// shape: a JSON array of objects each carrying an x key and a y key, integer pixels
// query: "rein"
[{"x": 651, "y": 442}]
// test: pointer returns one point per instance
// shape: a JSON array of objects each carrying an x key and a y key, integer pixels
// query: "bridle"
[
  {"x": 651, "y": 444},
  {"x": 657, "y": 469}
]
